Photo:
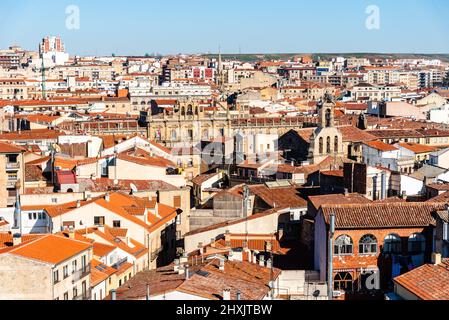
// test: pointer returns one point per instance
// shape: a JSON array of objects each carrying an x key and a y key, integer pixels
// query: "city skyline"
[{"x": 250, "y": 27}]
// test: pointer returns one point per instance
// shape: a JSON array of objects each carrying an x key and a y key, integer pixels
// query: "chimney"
[
  {"x": 212, "y": 243},
  {"x": 78, "y": 203},
  {"x": 17, "y": 239},
  {"x": 200, "y": 248},
  {"x": 222, "y": 265},
  {"x": 269, "y": 263},
  {"x": 239, "y": 295},
  {"x": 148, "y": 292},
  {"x": 184, "y": 258},
  {"x": 181, "y": 270},
  {"x": 71, "y": 233},
  {"x": 262, "y": 261},
  {"x": 107, "y": 197},
  {"x": 436, "y": 258},
  {"x": 187, "y": 272},
  {"x": 226, "y": 294},
  {"x": 346, "y": 192},
  {"x": 113, "y": 295},
  {"x": 176, "y": 266}
]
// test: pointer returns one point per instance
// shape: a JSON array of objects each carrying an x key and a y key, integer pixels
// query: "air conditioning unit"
[{"x": 337, "y": 294}]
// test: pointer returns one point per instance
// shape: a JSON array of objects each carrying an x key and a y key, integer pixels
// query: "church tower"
[
  {"x": 220, "y": 72},
  {"x": 326, "y": 111},
  {"x": 326, "y": 140}
]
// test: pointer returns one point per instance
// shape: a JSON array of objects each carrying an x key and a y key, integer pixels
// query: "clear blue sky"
[{"x": 136, "y": 27}]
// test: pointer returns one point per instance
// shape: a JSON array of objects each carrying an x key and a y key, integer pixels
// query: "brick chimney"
[
  {"x": 226, "y": 294},
  {"x": 436, "y": 258},
  {"x": 17, "y": 239}
]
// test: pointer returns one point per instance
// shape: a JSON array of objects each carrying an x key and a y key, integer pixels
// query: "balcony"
[
  {"x": 81, "y": 273},
  {"x": 13, "y": 165},
  {"x": 11, "y": 201},
  {"x": 86, "y": 296}
]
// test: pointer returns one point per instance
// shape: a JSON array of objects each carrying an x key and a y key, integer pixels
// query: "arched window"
[
  {"x": 183, "y": 111},
  {"x": 190, "y": 110},
  {"x": 205, "y": 134},
  {"x": 328, "y": 145},
  {"x": 343, "y": 281},
  {"x": 321, "y": 145},
  {"x": 368, "y": 244},
  {"x": 328, "y": 117},
  {"x": 392, "y": 244},
  {"x": 336, "y": 144},
  {"x": 196, "y": 111},
  {"x": 173, "y": 135},
  {"x": 343, "y": 245},
  {"x": 416, "y": 244}
]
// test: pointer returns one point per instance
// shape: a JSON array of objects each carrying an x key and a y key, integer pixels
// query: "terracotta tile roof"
[
  {"x": 33, "y": 173},
  {"x": 333, "y": 173},
  {"x": 381, "y": 146},
  {"x": 333, "y": 199},
  {"x": 248, "y": 278},
  {"x": 382, "y": 215},
  {"x": 99, "y": 272},
  {"x": 51, "y": 249},
  {"x": 349, "y": 134},
  {"x": 124, "y": 267},
  {"x": 354, "y": 134},
  {"x": 101, "y": 249},
  {"x": 10, "y": 148},
  {"x": 233, "y": 222},
  {"x": 148, "y": 161},
  {"x": 198, "y": 180},
  {"x": 38, "y": 134},
  {"x": 105, "y": 184},
  {"x": 439, "y": 186},
  {"x": 428, "y": 282},
  {"x": 284, "y": 197},
  {"x": 6, "y": 238},
  {"x": 417, "y": 148},
  {"x": 395, "y": 133},
  {"x": 137, "y": 249},
  {"x": 442, "y": 198},
  {"x": 39, "y": 161},
  {"x": 443, "y": 215},
  {"x": 66, "y": 177},
  {"x": 118, "y": 232}
]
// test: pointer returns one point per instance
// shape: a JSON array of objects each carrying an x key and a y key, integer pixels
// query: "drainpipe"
[{"x": 330, "y": 256}]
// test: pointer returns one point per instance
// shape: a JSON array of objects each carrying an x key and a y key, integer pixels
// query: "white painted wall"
[{"x": 411, "y": 186}]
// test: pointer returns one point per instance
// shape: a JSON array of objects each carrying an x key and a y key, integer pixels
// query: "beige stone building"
[
  {"x": 12, "y": 173},
  {"x": 49, "y": 267}
]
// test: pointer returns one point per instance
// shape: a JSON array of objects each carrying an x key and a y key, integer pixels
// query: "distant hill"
[{"x": 285, "y": 56}]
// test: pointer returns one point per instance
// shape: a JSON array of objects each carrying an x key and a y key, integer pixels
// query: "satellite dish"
[
  {"x": 316, "y": 294},
  {"x": 133, "y": 187},
  {"x": 115, "y": 182}
]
